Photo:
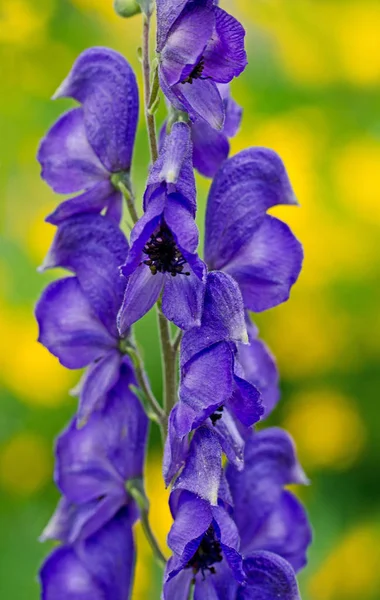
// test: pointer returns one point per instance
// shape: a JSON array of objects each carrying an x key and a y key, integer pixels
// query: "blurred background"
[{"x": 311, "y": 92}]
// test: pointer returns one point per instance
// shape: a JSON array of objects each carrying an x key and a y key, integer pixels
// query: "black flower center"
[
  {"x": 209, "y": 552},
  {"x": 163, "y": 254},
  {"x": 216, "y": 415},
  {"x": 196, "y": 72}
]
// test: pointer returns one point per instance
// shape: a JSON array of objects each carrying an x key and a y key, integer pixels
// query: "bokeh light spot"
[
  {"x": 25, "y": 464},
  {"x": 328, "y": 429}
]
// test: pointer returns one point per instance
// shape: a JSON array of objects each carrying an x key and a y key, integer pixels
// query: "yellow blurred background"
[{"x": 311, "y": 92}]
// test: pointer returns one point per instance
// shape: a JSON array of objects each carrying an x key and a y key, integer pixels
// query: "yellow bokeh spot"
[
  {"x": 357, "y": 177},
  {"x": 21, "y": 22},
  {"x": 352, "y": 569},
  {"x": 25, "y": 464},
  {"x": 328, "y": 429},
  {"x": 39, "y": 235},
  {"x": 26, "y": 367}
]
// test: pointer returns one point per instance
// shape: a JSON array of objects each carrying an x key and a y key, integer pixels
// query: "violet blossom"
[
  {"x": 199, "y": 46},
  {"x": 89, "y": 149}
]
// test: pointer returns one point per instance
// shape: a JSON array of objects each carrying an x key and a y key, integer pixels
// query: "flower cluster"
[{"x": 237, "y": 533}]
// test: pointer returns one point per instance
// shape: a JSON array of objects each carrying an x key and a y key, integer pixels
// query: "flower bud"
[{"x": 126, "y": 8}]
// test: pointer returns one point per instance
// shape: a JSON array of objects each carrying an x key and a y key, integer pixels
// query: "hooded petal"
[
  {"x": 167, "y": 13},
  {"x": 68, "y": 327},
  {"x": 225, "y": 56},
  {"x": 268, "y": 266},
  {"x": 174, "y": 168},
  {"x": 259, "y": 367},
  {"x": 246, "y": 186},
  {"x": 93, "y": 248},
  {"x": 223, "y": 317},
  {"x": 186, "y": 42},
  {"x": 103, "y": 81},
  {"x": 68, "y": 163},
  {"x": 206, "y": 384},
  {"x": 268, "y": 576},
  {"x": 270, "y": 464},
  {"x": 142, "y": 292},
  {"x": 96, "y": 460},
  {"x": 98, "y": 197},
  {"x": 201, "y": 99},
  {"x": 203, "y": 468},
  {"x": 286, "y": 532}
]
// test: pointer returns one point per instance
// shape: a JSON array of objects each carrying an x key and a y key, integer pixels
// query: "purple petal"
[
  {"x": 93, "y": 247},
  {"x": 260, "y": 369},
  {"x": 67, "y": 160},
  {"x": 230, "y": 541},
  {"x": 167, "y": 13},
  {"x": 229, "y": 437},
  {"x": 181, "y": 222},
  {"x": 245, "y": 402},
  {"x": 186, "y": 43},
  {"x": 203, "y": 468},
  {"x": 233, "y": 113},
  {"x": 225, "y": 56},
  {"x": 270, "y": 464},
  {"x": 182, "y": 300},
  {"x": 64, "y": 577},
  {"x": 205, "y": 590},
  {"x": 211, "y": 148},
  {"x": 269, "y": 577},
  {"x": 286, "y": 532},
  {"x": 68, "y": 327},
  {"x": 201, "y": 100},
  {"x": 99, "y": 196},
  {"x": 223, "y": 317},
  {"x": 176, "y": 450},
  {"x": 103, "y": 81},
  {"x": 245, "y": 187},
  {"x": 192, "y": 520},
  {"x": 177, "y": 587},
  {"x": 59, "y": 526},
  {"x": 206, "y": 384},
  {"x": 99, "y": 378},
  {"x": 142, "y": 292},
  {"x": 268, "y": 266},
  {"x": 174, "y": 167}
]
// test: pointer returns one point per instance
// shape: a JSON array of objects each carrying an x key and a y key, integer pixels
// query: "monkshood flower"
[
  {"x": 77, "y": 315},
  {"x": 88, "y": 151},
  {"x": 211, "y": 147},
  {"x": 272, "y": 523},
  {"x": 213, "y": 389},
  {"x": 203, "y": 536},
  {"x": 199, "y": 46},
  {"x": 99, "y": 567},
  {"x": 94, "y": 464},
  {"x": 162, "y": 257},
  {"x": 259, "y": 251}
]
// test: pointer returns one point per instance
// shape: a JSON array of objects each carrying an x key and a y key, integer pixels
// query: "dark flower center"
[
  {"x": 216, "y": 415},
  {"x": 196, "y": 72},
  {"x": 209, "y": 552},
  {"x": 163, "y": 254}
]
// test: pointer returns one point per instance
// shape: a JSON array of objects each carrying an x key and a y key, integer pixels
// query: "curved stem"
[
  {"x": 150, "y": 122},
  {"x": 168, "y": 363},
  {"x": 158, "y": 555}
]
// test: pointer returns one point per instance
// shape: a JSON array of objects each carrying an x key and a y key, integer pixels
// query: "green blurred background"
[{"x": 311, "y": 92}]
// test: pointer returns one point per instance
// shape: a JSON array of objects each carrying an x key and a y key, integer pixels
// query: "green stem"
[
  {"x": 168, "y": 363},
  {"x": 144, "y": 385},
  {"x": 150, "y": 122},
  {"x": 158, "y": 555}
]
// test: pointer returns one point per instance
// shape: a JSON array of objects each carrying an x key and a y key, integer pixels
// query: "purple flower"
[
  {"x": 163, "y": 255},
  {"x": 273, "y": 526},
  {"x": 257, "y": 250},
  {"x": 94, "y": 463},
  {"x": 77, "y": 315},
  {"x": 213, "y": 389},
  {"x": 203, "y": 536},
  {"x": 199, "y": 46},
  {"x": 89, "y": 149},
  {"x": 96, "y": 568}
]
